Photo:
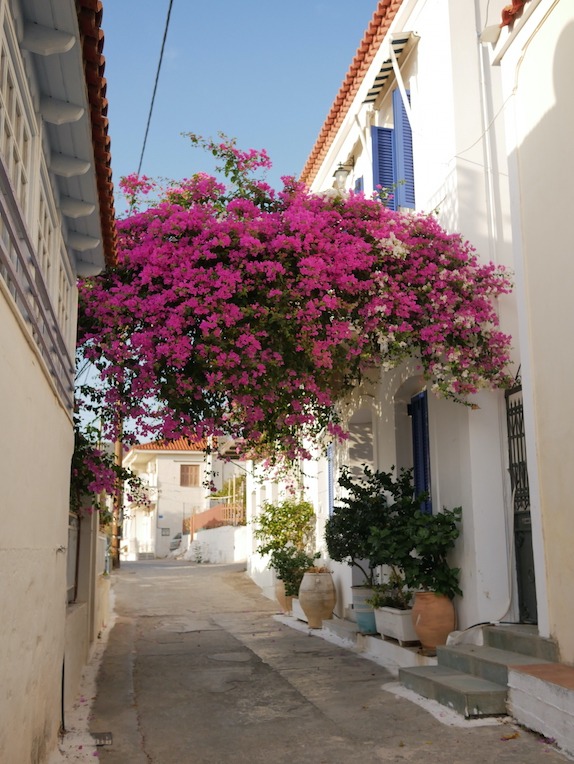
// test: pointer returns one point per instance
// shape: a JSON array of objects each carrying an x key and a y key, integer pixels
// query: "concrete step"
[
  {"x": 521, "y": 638},
  {"x": 483, "y": 661},
  {"x": 470, "y": 696},
  {"x": 146, "y": 556}
]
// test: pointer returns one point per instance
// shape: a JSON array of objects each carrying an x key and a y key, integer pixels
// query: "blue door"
[{"x": 418, "y": 410}]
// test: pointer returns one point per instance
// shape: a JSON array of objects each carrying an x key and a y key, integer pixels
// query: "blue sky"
[{"x": 262, "y": 71}]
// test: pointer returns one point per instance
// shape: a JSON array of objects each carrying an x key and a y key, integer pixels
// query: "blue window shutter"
[
  {"x": 421, "y": 450},
  {"x": 404, "y": 168},
  {"x": 359, "y": 185},
  {"x": 383, "y": 162}
]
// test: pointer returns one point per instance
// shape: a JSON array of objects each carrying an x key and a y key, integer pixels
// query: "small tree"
[
  {"x": 364, "y": 530},
  {"x": 431, "y": 539},
  {"x": 286, "y": 532},
  {"x": 286, "y": 523}
]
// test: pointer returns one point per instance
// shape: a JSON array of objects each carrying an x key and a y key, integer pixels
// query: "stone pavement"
[{"x": 199, "y": 670}]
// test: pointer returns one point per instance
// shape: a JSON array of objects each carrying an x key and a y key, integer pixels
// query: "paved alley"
[{"x": 197, "y": 670}]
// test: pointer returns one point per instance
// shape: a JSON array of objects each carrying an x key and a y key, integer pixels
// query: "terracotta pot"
[
  {"x": 317, "y": 597},
  {"x": 433, "y": 618},
  {"x": 285, "y": 602}
]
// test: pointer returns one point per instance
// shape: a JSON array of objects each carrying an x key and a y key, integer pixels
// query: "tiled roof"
[
  {"x": 510, "y": 12},
  {"x": 370, "y": 44},
  {"x": 181, "y": 444},
  {"x": 90, "y": 14}
]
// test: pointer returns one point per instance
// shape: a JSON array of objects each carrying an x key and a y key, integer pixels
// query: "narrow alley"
[{"x": 197, "y": 669}]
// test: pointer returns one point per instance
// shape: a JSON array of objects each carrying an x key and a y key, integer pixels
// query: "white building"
[
  {"x": 469, "y": 102},
  {"x": 56, "y": 222},
  {"x": 447, "y": 145},
  {"x": 179, "y": 476}
]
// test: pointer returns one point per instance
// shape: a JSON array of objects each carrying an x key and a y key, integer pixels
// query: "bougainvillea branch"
[{"x": 253, "y": 312}]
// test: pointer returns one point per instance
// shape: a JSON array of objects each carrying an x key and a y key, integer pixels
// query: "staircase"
[{"x": 473, "y": 679}]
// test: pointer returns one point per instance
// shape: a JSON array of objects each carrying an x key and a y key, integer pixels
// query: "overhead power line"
[{"x": 155, "y": 84}]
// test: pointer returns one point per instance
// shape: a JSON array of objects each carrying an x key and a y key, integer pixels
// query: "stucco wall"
[
  {"x": 34, "y": 474},
  {"x": 538, "y": 68},
  {"x": 175, "y": 502},
  {"x": 227, "y": 544}
]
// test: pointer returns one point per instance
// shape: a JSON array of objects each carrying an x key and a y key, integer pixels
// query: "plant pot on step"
[
  {"x": 317, "y": 597},
  {"x": 285, "y": 602},
  {"x": 396, "y": 624},
  {"x": 433, "y": 619},
  {"x": 364, "y": 612}
]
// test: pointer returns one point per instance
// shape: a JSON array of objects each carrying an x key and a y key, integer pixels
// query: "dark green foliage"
[
  {"x": 368, "y": 522},
  {"x": 379, "y": 522},
  {"x": 432, "y": 537}
]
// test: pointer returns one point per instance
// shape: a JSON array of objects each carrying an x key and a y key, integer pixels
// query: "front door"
[
  {"x": 418, "y": 411},
  {"x": 518, "y": 468}
]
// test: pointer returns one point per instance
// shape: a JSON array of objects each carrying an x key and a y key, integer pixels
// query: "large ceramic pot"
[
  {"x": 433, "y": 618},
  {"x": 317, "y": 597},
  {"x": 285, "y": 602},
  {"x": 364, "y": 613}
]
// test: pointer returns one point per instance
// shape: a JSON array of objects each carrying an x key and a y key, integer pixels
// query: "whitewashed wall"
[
  {"x": 537, "y": 61},
  {"x": 460, "y": 171},
  {"x": 224, "y": 545},
  {"x": 34, "y": 473}
]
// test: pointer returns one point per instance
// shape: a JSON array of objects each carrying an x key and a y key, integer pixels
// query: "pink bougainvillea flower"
[{"x": 249, "y": 312}]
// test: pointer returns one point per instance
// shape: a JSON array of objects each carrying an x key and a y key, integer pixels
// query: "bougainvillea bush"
[{"x": 253, "y": 312}]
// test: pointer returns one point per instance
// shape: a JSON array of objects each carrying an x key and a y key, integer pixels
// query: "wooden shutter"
[
  {"x": 404, "y": 167},
  {"x": 189, "y": 475},
  {"x": 383, "y": 162},
  {"x": 418, "y": 410}
]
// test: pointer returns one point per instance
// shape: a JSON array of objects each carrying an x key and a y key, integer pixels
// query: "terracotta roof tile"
[
  {"x": 90, "y": 13},
  {"x": 510, "y": 12},
  {"x": 372, "y": 39},
  {"x": 181, "y": 444}
]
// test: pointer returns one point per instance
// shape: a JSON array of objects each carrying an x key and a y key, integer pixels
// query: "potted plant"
[
  {"x": 317, "y": 595},
  {"x": 363, "y": 510},
  {"x": 391, "y": 601},
  {"x": 289, "y": 565},
  {"x": 285, "y": 530},
  {"x": 428, "y": 571}
]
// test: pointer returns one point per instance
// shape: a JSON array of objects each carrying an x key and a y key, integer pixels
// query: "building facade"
[
  {"x": 179, "y": 477},
  {"x": 56, "y": 222},
  {"x": 440, "y": 148}
]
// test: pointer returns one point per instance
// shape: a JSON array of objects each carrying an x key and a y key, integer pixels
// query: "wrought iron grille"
[{"x": 517, "y": 449}]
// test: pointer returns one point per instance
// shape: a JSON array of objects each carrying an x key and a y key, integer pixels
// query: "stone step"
[
  {"x": 521, "y": 638},
  {"x": 483, "y": 661},
  {"x": 470, "y": 696},
  {"x": 146, "y": 556}
]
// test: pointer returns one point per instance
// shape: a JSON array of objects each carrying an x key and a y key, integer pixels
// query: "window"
[
  {"x": 189, "y": 474},
  {"x": 393, "y": 157},
  {"x": 15, "y": 130}
]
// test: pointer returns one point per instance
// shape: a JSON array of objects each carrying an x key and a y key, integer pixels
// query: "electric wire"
[{"x": 155, "y": 84}]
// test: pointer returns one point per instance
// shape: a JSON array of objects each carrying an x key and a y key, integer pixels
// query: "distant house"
[
  {"x": 56, "y": 223},
  {"x": 179, "y": 476}
]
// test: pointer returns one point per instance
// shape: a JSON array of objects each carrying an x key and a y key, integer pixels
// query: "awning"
[{"x": 402, "y": 44}]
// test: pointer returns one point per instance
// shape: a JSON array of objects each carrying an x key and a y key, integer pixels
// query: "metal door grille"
[
  {"x": 517, "y": 449},
  {"x": 518, "y": 468}
]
